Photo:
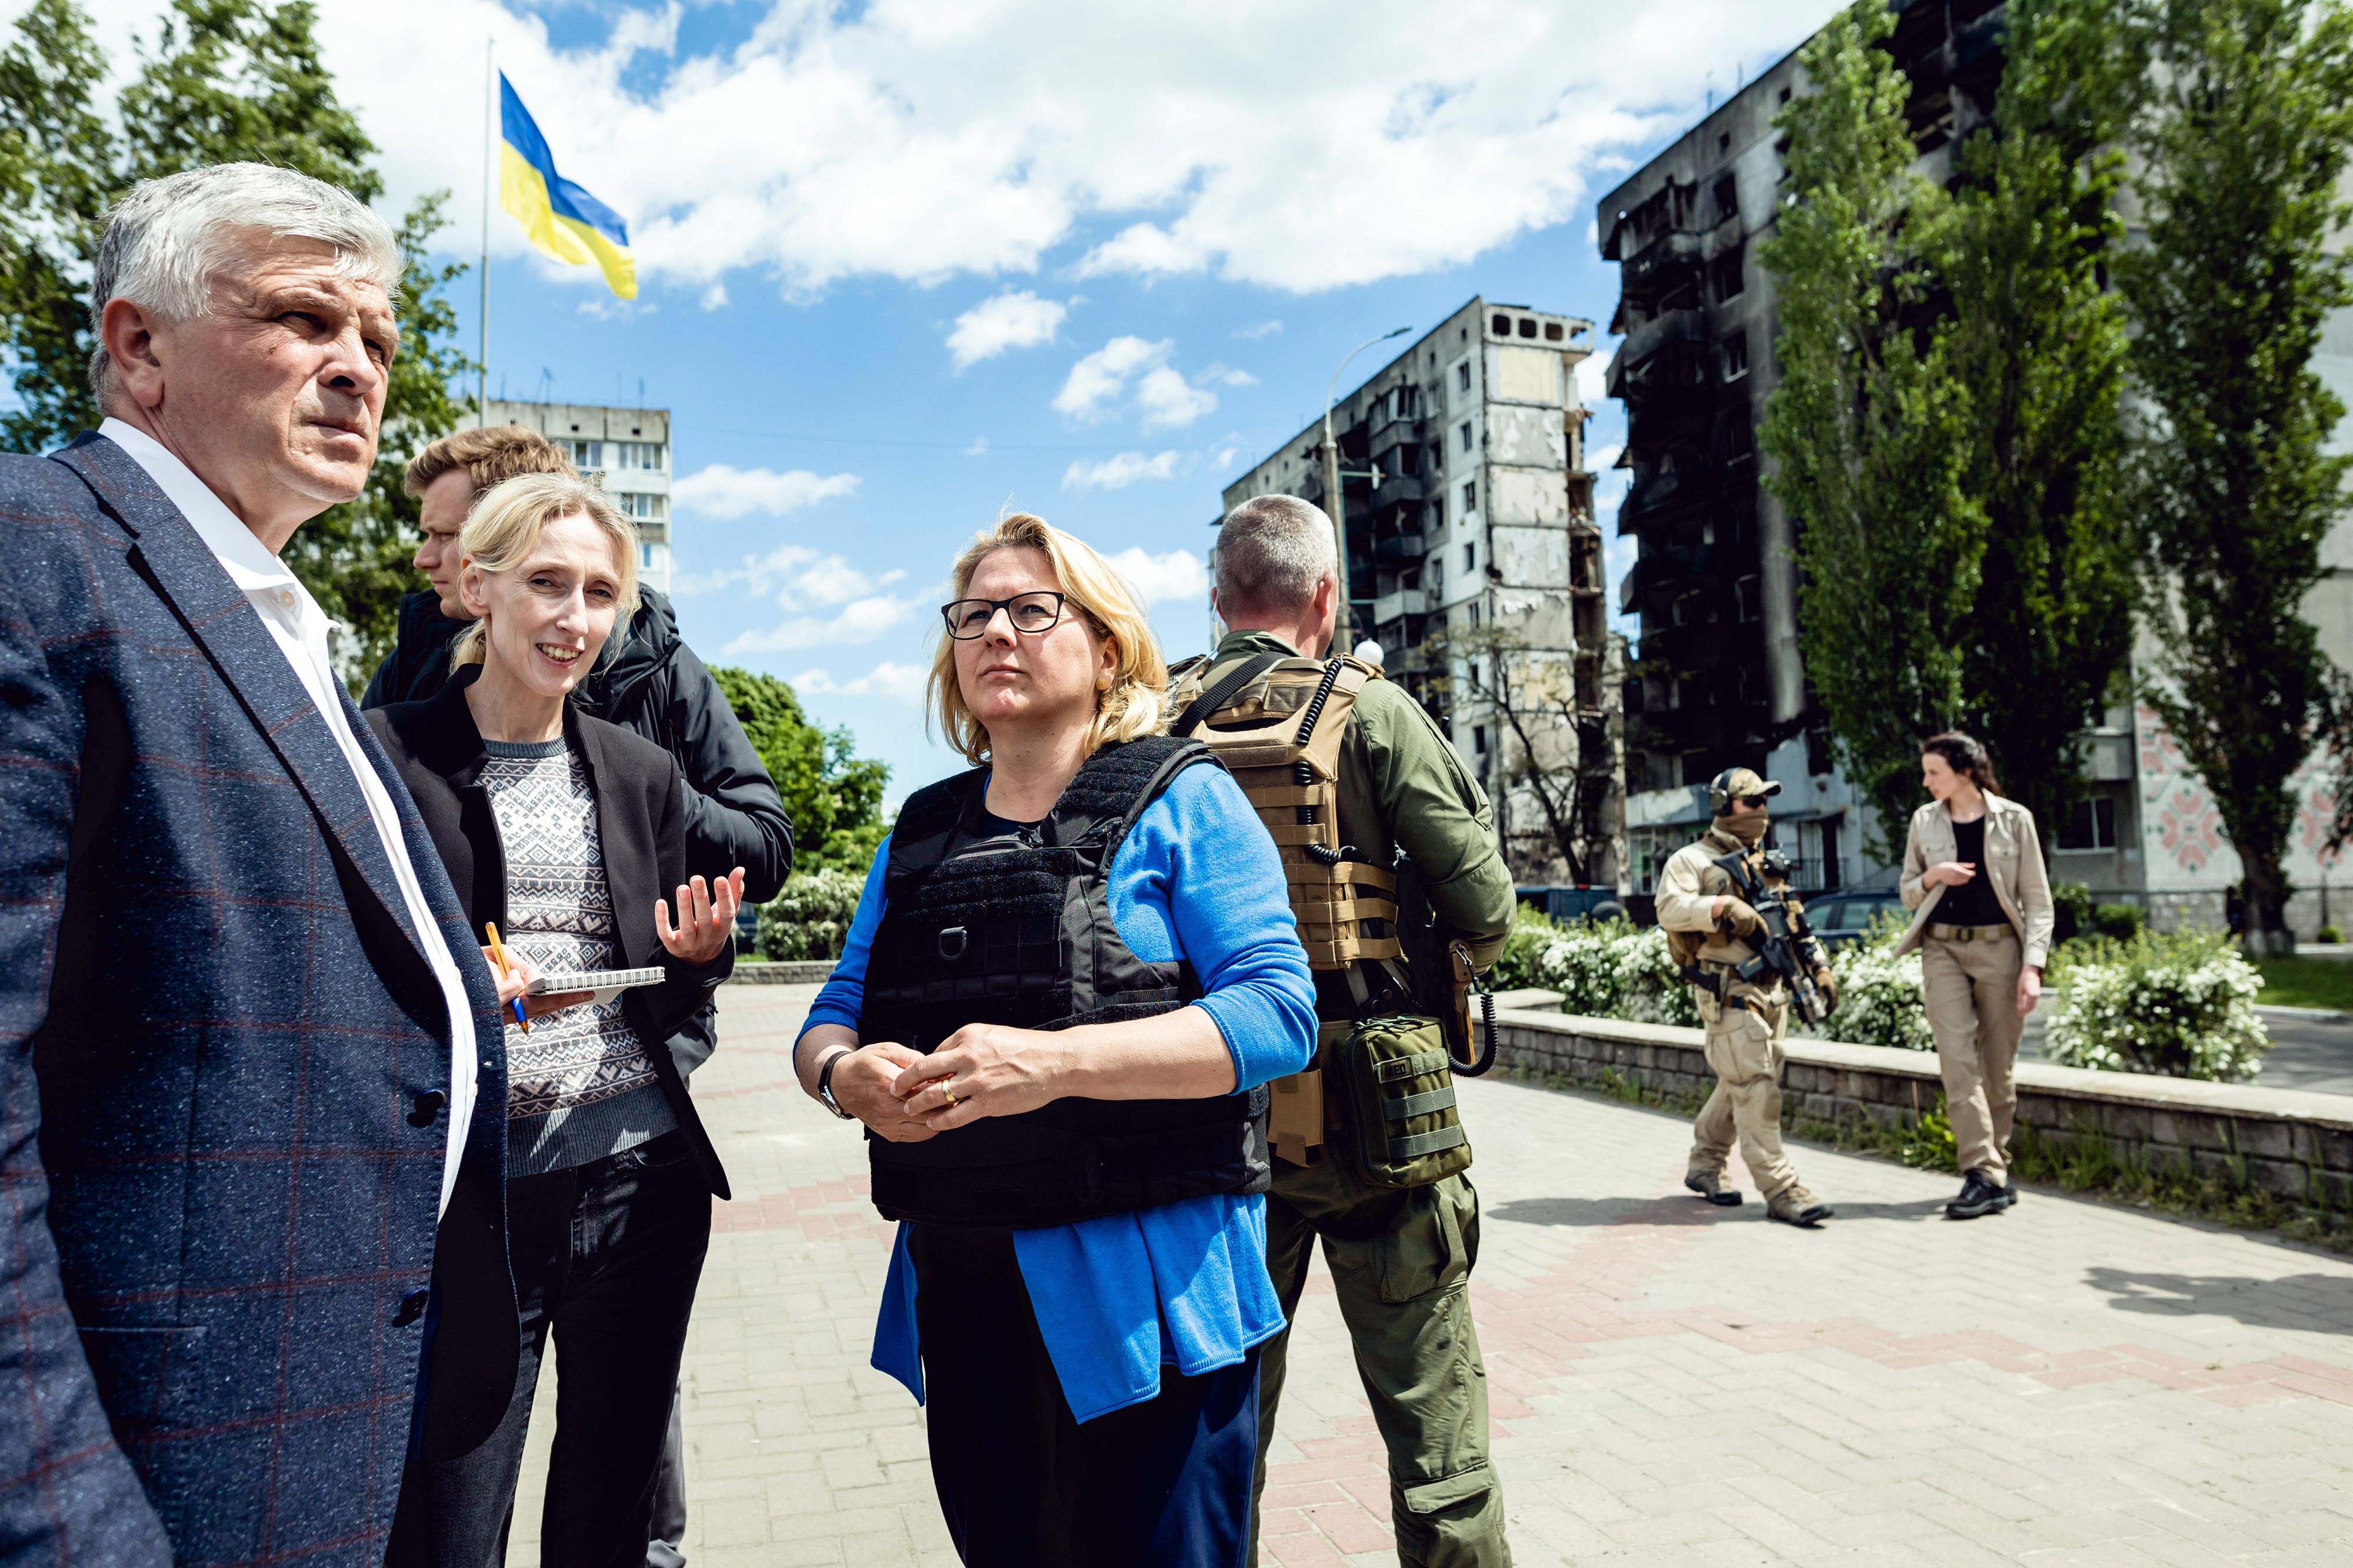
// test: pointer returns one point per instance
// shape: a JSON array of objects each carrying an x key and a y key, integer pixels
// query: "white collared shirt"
[{"x": 299, "y": 627}]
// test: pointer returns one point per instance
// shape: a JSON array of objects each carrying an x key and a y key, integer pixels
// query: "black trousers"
[
  {"x": 1164, "y": 1484},
  {"x": 607, "y": 1256}
]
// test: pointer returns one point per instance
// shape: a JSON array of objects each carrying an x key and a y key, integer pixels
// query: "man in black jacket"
[{"x": 647, "y": 680}]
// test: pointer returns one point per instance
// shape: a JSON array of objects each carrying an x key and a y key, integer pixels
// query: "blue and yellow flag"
[{"x": 559, "y": 217}]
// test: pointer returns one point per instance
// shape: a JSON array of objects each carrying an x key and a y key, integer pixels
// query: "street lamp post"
[{"x": 1335, "y": 502}]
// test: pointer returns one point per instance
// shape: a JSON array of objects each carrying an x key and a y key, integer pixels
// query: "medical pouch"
[{"x": 1397, "y": 1123}]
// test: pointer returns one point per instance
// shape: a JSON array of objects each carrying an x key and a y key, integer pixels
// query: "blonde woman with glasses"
[{"x": 1072, "y": 974}]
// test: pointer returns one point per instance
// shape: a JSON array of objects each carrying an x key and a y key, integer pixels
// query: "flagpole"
[{"x": 490, "y": 146}]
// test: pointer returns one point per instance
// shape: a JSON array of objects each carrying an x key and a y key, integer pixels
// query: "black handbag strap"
[{"x": 1216, "y": 697}]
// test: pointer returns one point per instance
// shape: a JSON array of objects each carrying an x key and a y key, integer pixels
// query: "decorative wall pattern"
[{"x": 2182, "y": 828}]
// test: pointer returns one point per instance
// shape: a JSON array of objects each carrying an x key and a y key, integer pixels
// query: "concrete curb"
[
  {"x": 2303, "y": 1014},
  {"x": 797, "y": 971}
]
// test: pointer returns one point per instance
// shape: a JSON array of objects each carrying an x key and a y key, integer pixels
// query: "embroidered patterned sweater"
[{"x": 580, "y": 1085}]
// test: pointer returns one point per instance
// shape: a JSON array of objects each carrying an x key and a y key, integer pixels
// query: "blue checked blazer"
[{"x": 223, "y": 1065}]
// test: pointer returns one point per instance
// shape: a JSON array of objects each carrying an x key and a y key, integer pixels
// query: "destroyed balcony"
[
  {"x": 1647, "y": 338},
  {"x": 1669, "y": 263}
]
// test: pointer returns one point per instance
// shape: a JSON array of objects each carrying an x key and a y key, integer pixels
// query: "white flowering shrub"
[
  {"x": 1879, "y": 994},
  {"x": 1612, "y": 970},
  {"x": 810, "y": 918},
  {"x": 2181, "y": 1003}
]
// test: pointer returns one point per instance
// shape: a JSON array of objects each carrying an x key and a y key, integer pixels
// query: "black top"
[{"x": 1971, "y": 903}]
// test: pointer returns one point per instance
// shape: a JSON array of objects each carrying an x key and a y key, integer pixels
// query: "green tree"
[
  {"x": 226, "y": 81},
  {"x": 2243, "y": 142},
  {"x": 58, "y": 171},
  {"x": 1868, "y": 430},
  {"x": 833, "y": 795},
  {"x": 2039, "y": 343}
]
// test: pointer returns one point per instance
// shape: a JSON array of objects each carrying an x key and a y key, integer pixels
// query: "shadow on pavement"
[
  {"x": 2318, "y": 1303},
  {"x": 1605, "y": 1211},
  {"x": 1919, "y": 1209}
]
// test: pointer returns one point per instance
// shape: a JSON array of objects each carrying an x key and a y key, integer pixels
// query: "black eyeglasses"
[
  {"x": 1756, "y": 802},
  {"x": 1030, "y": 613}
]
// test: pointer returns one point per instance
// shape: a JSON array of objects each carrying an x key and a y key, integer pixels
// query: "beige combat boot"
[
  {"x": 1795, "y": 1206},
  {"x": 1709, "y": 1184}
]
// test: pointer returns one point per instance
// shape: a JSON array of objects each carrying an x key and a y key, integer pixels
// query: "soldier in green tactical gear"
[
  {"x": 1710, "y": 930},
  {"x": 1400, "y": 1255}
]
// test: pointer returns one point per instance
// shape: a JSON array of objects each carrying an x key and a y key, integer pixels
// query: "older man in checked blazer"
[{"x": 250, "y": 1059}]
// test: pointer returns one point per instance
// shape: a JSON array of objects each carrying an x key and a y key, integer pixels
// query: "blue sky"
[{"x": 1151, "y": 231}]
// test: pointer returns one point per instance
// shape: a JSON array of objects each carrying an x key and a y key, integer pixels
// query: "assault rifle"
[{"x": 1786, "y": 946}]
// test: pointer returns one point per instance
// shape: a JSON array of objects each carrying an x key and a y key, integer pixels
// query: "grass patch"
[{"x": 2306, "y": 982}]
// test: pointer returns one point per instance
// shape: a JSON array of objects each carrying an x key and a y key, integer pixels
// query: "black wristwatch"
[{"x": 825, "y": 1083}]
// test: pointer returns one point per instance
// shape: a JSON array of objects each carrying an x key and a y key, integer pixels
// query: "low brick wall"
[
  {"x": 2296, "y": 1145},
  {"x": 812, "y": 972}
]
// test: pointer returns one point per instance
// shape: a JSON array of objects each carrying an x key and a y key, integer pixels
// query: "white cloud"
[
  {"x": 1101, "y": 376},
  {"x": 1178, "y": 574},
  {"x": 1593, "y": 377},
  {"x": 860, "y": 620},
  {"x": 1226, "y": 376},
  {"x": 923, "y": 141},
  {"x": 901, "y": 682},
  {"x": 720, "y": 491},
  {"x": 979, "y": 448},
  {"x": 1169, "y": 401},
  {"x": 801, "y": 576},
  {"x": 1015, "y": 319},
  {"x": 1258, "y": 330},
  {"x": 1164, "y": 398},
  {"x": 715, "y": 296},
  {"x": 1118, "y": 473}
]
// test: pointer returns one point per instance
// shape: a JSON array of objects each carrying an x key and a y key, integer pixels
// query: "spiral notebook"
[{"x": 607, "y": 983}]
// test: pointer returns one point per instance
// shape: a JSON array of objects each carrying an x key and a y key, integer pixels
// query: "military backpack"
[{"x": 1382, "y": 1084}]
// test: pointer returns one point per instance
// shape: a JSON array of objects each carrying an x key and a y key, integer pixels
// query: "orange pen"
[{"x": 506, "y": 967}]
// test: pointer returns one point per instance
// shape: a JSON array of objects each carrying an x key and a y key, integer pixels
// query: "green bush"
[
  {"x": 1879, "y": 994},
  {"x": 1516, "y": 970},
  {"x": 810, "y": 918},
  {"x": 2119, "y": 922},
  {"x": 2330, "y": 934},
  {"x": 1611, "y": 969},
  {"x": 2179, "y": 1003},
  {"x": 2071, "y": 905}
]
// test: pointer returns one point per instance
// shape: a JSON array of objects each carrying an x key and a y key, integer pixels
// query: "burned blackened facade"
[{"x": 1715, "y": 679}]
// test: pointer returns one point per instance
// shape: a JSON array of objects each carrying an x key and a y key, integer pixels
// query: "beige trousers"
[
  {"x": 1744, "y": 1047},
  {"x": 1971, "y": 990}
]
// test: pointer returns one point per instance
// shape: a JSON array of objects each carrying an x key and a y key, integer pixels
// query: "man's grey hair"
[
  {"x": 167, "y": 242},
  {"x": 1271, "y": 553}
]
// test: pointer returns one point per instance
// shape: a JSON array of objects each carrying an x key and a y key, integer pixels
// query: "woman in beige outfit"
[{"x": 1973, "y": 876}]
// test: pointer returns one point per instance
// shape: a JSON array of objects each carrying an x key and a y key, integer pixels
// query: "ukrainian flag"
[{"x": 559, "y": 217}]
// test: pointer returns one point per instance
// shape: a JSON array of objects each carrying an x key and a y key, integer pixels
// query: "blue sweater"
[{"x": 1117, "y": 1297}]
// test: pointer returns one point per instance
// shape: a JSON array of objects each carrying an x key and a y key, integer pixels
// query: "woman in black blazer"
[{"x": 566, "y": 832}]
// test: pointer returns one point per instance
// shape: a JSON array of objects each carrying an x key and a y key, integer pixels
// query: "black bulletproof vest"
[{"x": 1016, "y": 930}]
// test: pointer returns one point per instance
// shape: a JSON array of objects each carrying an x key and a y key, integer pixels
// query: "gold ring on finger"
[{"x": 949, "y": 1094}]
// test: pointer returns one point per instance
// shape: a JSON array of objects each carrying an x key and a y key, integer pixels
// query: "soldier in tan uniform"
[{"x": 1707, "y": 925}]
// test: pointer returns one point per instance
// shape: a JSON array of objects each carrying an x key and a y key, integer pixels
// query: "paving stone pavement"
[{"x": 2067, "y": 1384}]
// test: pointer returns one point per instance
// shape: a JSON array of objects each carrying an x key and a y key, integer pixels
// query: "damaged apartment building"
[
  {"x": 1714, "y": 678},
  {"x": 1471, "y": 541}
]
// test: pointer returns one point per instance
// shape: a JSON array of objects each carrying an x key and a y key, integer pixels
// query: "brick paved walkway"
[{"x": 2067, "y": 1384}]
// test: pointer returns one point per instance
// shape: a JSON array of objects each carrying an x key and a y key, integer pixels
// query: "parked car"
[
  {"x": 1840, "y": 917},
  {"x": 1571, "y": 903}
]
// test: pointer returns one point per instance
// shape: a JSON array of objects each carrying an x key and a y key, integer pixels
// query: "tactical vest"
[
  {"x": 1016, "y": 930},
  {"x": 1277, "y": 722}
]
